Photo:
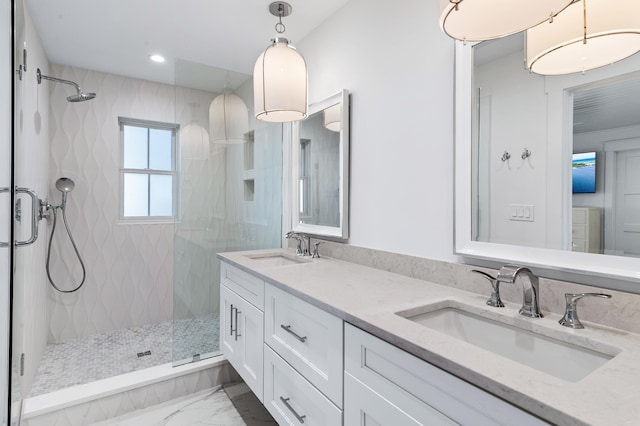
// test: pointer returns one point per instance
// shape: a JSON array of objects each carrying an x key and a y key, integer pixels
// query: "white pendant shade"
[
  {"x": 476, "y": 20},
  {"x": 280, "y": 84},
  {"x": 333, "y": 118},
  {"x": 228, "y": 119},
  {"x": 194, "y": 142},
  {"x": 613, "y": 33}
]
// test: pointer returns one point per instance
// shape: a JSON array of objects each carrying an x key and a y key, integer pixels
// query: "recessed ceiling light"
[{"x": 157, "y": 58}]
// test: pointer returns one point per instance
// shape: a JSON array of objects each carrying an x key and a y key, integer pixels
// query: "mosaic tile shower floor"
[{"x": 86, "y": 359}]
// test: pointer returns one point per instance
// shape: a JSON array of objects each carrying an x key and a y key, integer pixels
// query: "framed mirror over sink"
[
  {"x": 517, "y": 135},
  {"x": 320, "y": 169}
]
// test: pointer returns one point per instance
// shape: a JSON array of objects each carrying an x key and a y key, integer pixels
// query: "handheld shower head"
[{"x": 65, "y": 185}]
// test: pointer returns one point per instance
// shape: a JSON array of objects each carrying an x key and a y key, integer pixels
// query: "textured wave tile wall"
[
  {"x": 130, "y": 268},
  {"x": 31, "y": 171}
]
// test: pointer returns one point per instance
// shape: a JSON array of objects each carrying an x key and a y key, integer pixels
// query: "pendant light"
[
  {"x": 228, "y": 119},
  {"x": 587, "y": 35},
  {"x": 476, "y": 20},
  {"x": 333, "y": 118},
  {"x": 194, "y": 138},
  {"x": 280, "y": 77}
]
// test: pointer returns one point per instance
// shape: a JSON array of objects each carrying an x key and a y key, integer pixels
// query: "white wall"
[
  {"x": 398, "y": 66},
  {"x": 129, "y": 266},
  {"x": 517, "y": 108}
]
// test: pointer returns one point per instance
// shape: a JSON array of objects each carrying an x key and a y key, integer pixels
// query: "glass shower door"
[
  {"x": 231, "y": 198},
  {"x": 6, "y": 195}
]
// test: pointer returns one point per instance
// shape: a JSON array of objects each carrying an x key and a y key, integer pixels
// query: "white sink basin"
[
  {"x": 276, "y": 259},
  {"x": 563, "y": 360}
]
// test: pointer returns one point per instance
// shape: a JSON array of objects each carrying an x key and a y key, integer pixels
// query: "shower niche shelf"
[
  {"x": 249, "y": 150},
  {"x": 249, "y": 189}
]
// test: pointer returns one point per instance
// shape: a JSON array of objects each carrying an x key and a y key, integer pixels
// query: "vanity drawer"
[
  {"x": 579, "y": 231},
  {"x": 289, "y": 397},
  {"x": 308, "y": 338},
  {"x": 363, "y": 406},
  {"x": 406, "y": 380},
  {"x": 579, "y": 215},
  {"x": 249, "y": 287}
]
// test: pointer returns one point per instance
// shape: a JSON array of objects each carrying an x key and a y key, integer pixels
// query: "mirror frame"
[
  {"x": 606, "y": 271},
  {"x": 340, "y": 232}
]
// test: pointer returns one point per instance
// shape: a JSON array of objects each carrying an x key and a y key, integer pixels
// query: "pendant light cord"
[
  {"x": 280, "y": 28},
  {"x": 584, "y": 13}
]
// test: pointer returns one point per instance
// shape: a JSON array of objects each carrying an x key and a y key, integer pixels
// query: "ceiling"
[
  {"x": 117, "y": 36},
  {"x": 610, "y": 105}
]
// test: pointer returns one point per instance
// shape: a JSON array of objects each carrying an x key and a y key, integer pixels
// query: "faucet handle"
[
  {"x": 570, "y": 318},
  {"x": 494, "y": 300},
  {"x": 315, "y": 254}
]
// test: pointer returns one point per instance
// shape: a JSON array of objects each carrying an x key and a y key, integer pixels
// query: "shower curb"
[{"x": 115, "y": 396}]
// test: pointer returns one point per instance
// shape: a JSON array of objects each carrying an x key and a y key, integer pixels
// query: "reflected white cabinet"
[
  {"x": 242, "y": 337},
  {"x": 387, "y": 386},
  {"x": 585, "y": 230}
]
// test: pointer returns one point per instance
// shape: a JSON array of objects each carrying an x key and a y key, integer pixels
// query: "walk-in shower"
[
  {"x": 64, "y": 185},
  {"x": 80, "y": 96}
]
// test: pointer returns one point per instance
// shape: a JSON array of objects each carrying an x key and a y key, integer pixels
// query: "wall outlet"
[{"x": 521, "y": 212}]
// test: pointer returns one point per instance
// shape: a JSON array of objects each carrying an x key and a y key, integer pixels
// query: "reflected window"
[{"x": 148, "y": 170}]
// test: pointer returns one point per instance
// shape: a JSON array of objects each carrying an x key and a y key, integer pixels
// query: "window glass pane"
[
  {"x": 161, "y": 195},
  {"x": 160, "y": 147},
  {"x": 136, "y": 194},
  {"x": 135, "y": 147}
]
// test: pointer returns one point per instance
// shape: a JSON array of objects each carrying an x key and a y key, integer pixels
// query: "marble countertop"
[{"x": 370, "y": 298}]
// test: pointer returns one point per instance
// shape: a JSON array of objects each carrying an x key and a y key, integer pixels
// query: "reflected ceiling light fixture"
[
  {"x": 477, "y": 20},
  {"x": 157, "y": 58},
  {"x": 280, "y": 77},
  {"x": 588, "y": 34},
  {"x": 228, "y": 118},
  {"x": 333, "y": 118},
  {"x": 194, "y": 138}
]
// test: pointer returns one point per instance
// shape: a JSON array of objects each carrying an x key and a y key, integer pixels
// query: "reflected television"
[{"x": 584, "y": 173}]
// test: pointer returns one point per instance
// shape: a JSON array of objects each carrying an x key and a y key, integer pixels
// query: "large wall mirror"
[
  {"x": 320, "y": 154},
  {"x": 548, "y": 167}
]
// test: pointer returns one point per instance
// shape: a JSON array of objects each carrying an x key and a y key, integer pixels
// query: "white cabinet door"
[
  {"x": 363, "y": 406},
  {"x": 291, "y": 399},
  {"x": 242, "y": 337},
  {"x": 306, "y": 337},
  {"x": 405, "y": 381}
]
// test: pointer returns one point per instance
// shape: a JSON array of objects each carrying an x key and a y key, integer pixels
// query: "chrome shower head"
[
  {"x": 64, "y": 185},
  {"x": 81, "y": 97}
]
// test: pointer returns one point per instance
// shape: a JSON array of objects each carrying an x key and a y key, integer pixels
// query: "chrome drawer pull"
[
  {"x": 287, "y": 328},
  {"x": 231, "y": 320},
  {"x": 236, "y": 329},
  {"x": 285, "y": 401}
]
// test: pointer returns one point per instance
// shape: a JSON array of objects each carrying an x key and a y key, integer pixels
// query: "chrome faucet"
[
  {"x": 303, "y": 242},
  {"x": 530, "y": 288}
]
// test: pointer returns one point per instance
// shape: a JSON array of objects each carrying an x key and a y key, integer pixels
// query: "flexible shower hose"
[{"x": 73, "y": 243}]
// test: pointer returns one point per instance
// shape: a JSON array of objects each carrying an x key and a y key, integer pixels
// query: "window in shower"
[{"x": 148, "y": 170}]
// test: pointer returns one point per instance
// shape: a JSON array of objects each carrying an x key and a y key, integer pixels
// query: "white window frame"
[{"x": 148, "y": 124}]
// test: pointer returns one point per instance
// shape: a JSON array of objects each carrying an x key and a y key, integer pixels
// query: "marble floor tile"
[{"x": 212, "y": 407}]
